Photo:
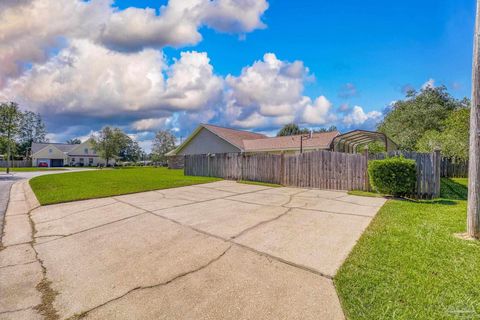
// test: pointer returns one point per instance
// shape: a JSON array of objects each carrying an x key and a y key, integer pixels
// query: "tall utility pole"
[{"x": 473, "y": 215}]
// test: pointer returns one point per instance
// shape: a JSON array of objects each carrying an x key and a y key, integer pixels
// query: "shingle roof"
[
  {"x": 64, "y": 147},
  {"x": 318, "y": 141},
  {"x": 235, "y": 137},
  {"x": 248, "y": 141}
]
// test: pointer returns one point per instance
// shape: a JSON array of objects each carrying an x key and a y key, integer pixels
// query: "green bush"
[{"x": 394, "y": 176}]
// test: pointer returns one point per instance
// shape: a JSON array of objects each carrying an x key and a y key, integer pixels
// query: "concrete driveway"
[{"x": 221, "y": 250}]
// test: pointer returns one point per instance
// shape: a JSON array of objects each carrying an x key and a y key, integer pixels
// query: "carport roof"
[{"x": 349, "y": 141}]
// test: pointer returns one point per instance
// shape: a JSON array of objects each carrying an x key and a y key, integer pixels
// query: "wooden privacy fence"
[
  {"x": 319, "y": 169},
  {"x": 453, "y": 169},
  {"x": 16, "y": 163},
  {"x": 428, "y": 171}
]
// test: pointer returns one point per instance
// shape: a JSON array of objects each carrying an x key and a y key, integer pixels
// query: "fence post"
[
  {"x": 242, "y": 160},
  {"x": 282, "y": 168},
  {"x": 437, "y": 158},
  {"x": 367, "y": 182}
]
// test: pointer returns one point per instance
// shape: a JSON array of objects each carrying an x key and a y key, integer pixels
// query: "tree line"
[
  {"x": 113, "y": 143},
  {"x": 19, "y": 129}
]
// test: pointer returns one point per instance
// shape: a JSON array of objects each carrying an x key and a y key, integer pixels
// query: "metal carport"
[{"x": 348, "y": 142}]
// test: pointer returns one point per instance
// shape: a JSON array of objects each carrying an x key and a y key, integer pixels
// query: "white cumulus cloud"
[
  {"x": 270, "y": 92},
  {"x": 359, "y": 117},
  {"x": 30, "y": 30}
]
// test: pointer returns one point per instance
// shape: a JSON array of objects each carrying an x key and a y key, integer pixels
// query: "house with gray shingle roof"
[
  {"x": 210, "y": 139},
  {"x": 64, "y": 154}
]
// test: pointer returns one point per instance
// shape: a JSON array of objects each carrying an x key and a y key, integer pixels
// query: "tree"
[
  {"x": 9, "y": 126},
  {"x": 31, "y": 129},
  {"x": 373, "y": 147},
  {"x": 109, "y": 142},
  {"x": 132, "y": 151},
  {"x": 291, "y": 129},
  {"x": 410, "y": 119},
  {"x": 163, "y": 143},
  {"x": 74, "y": 141},
  {"x": 453, "y": 140},
  {"x": 329, "y": 129}
]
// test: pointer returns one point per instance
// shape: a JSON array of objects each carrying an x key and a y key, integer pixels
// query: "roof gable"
[
  {"x": 81, "y": 146},
  {"x": 55, "y": 150},
  {"x": 233, "y": 136},
  {"x": 63, "y": 147}
]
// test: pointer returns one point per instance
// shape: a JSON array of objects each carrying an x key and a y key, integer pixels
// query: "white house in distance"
[{"x": 63, "y": 154}]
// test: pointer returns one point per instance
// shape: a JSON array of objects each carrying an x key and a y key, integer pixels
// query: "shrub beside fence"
[{"x": 428, "y": 171}]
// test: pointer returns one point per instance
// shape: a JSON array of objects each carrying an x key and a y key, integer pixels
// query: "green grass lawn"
[
  {"x": 409, "y": 265},
  {"x": 72, "y": 186}
]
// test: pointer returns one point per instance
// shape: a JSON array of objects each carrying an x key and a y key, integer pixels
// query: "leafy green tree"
[
  {"x": 10, "y": 117},
  {"x": 373, "y": 147},
  {"x": 329, "y": 129},
  {"x": 31, "y": 129},
  {"x": 291, "y": 129},
  {"x": 457, "y": 134},
  {"x": 109, "y": 142},
  {"x": 74, "y": 141},
  {"x": 409, "y": 119},
  {"x": 163, "y": 143},
  {"x": 453, "y": 141},
  {"x": 132, "y": 151}
]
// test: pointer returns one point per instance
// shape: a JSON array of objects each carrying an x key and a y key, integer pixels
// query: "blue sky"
[
  {"x": 379, "y": 48},
  {"x": 329, "y": 63}
]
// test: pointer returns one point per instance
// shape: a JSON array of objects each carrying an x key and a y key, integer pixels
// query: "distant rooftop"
[{"x": 64, "y": 147}]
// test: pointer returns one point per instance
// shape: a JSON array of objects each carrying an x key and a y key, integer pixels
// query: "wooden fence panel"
[
  {"x": 453, "y": 169},
  {"x": 319, "y": 169},
  {"x": 16, "y": 163}
]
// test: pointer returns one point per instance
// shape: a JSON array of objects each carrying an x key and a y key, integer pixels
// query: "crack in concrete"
[
  {"x": 47, "y": 294},
  {"x": 164, "y": 283},
  {"x": 17, "y": 310},
  {"x": 77, "y": 212},
  {"x": 13, "y": 245},
  {"x": 289, "y": 209},
  {"x": 18, "y": 264},
  {"x": 61, "y": 236},
  {"x": 343, "y": 201},
  {"x": 302, "y": 208},
  {"x": 332, "y": 212},
  {"x": 260, "y": 224}
]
